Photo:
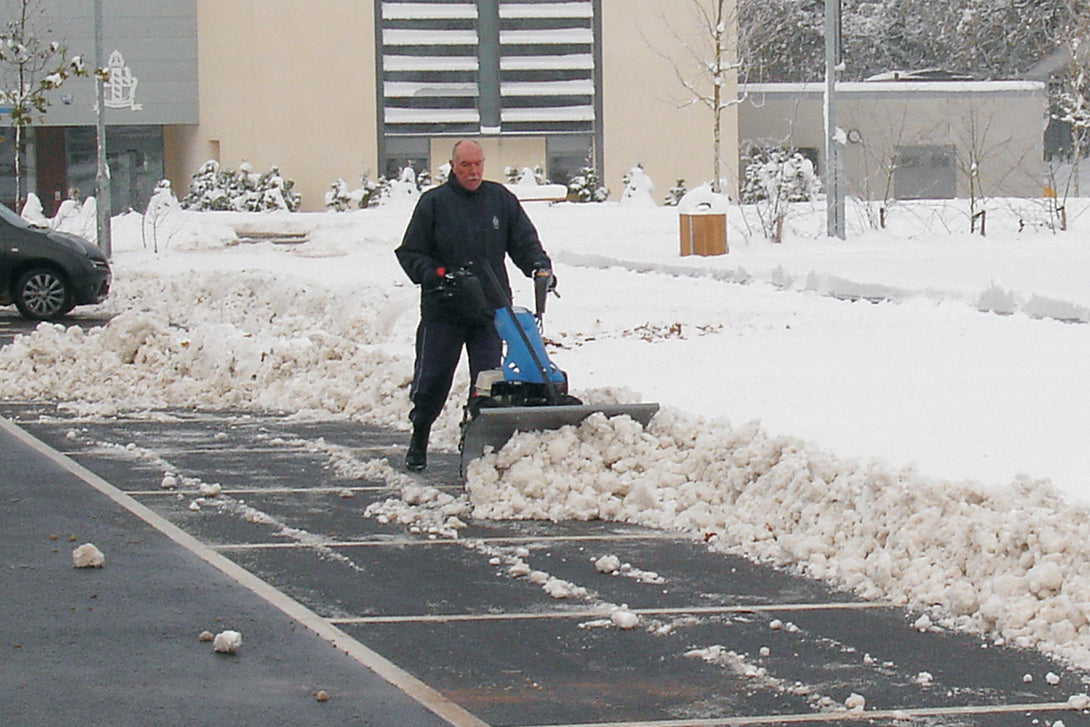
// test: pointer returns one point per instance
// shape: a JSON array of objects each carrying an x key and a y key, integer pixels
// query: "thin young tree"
[
  {"x": 708, "y": 37},
  {"x": 31, "y": 66}
]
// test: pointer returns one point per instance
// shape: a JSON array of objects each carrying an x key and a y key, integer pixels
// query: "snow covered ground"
[{"x": 905, "y": 413}]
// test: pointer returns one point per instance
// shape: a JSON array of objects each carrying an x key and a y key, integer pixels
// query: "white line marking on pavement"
[
  {"x": 407, "y": 541},
  {"x": 410, "y": 685},
  {"x": 264, "y": 491},
  {"x": 605, "y": 613}
]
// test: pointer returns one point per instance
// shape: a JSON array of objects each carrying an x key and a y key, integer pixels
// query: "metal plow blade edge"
[{"x": 493, "y": 427}]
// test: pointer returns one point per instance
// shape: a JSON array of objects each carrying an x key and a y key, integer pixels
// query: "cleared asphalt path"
[{"x": 408, "y": 629}]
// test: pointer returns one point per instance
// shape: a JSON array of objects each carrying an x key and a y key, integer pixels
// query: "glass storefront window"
[{"x": 135, "y": 156}]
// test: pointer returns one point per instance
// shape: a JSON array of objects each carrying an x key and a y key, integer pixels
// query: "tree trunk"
[{"x": 18, "y": 168}]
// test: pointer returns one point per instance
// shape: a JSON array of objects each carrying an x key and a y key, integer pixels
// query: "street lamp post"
[
  {"x": 834, "y": 141},
  {"x": 102, "y": 176}
]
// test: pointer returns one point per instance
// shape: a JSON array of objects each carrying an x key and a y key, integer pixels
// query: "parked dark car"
[{"x": 47, "y": 273}]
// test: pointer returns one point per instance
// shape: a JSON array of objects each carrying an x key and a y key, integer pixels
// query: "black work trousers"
[{"x": 438, "y": 349}]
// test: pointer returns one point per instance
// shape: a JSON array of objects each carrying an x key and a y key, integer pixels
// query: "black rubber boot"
[{"x": 416, "y": 459}]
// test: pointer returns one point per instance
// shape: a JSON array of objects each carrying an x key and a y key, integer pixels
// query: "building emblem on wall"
[{"x": 120, "y": 86}]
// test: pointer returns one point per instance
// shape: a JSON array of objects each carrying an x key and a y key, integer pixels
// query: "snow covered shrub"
[
  {"x": 675, "y": 193},
  {"x": 213, "y": 188},
  {"x": 207, "y": 189},
  {"x": 274, "y": 193},
  {"x": 162, "y": 216},
  {"x": 78, "y": 218},
  {"x": 773, "y": 173},
  {"x": 33, "y": 211},
  {"x": 523, "y": 176},
  {"x": 638, "y": 187},
  {"x": 340, "y": 198},
  {"x": 774, "y": 177},
  {"x": 423, "y": 180},
  {"x": 405, "y": 190},
  {"x": 586, "y": 186},
  {"x": 442, "y": 173}
]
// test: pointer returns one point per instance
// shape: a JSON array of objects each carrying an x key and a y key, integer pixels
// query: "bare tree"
[
  {"x": 979, "y": 149},
  {"x": 709, "y": 42},
  {"x": 30, "y": 67}
]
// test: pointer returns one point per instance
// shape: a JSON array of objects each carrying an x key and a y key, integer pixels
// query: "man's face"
[{"x": 468, "y": 165}]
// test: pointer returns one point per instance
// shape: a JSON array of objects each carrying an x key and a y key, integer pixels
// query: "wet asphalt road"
[{"x": 460, "y": 632}]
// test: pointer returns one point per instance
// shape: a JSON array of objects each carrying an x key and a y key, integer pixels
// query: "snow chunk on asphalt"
[
  {"x": 227, "y": 642},
  {"x": 88, "y": 556},
  {"x": 622, "y": 618},
  {"x": 608, "y": 564}
]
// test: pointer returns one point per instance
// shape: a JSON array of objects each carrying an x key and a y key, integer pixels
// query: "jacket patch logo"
[{"x": 495, "y": 222}]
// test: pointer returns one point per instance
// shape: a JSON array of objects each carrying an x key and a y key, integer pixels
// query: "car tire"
[{"x": 42, "y": 294}]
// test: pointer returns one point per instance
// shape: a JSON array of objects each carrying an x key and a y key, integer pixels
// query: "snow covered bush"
[
  {"x": 161, "y": 218},
  {"x": 774, "y": 177},
  {"x": 523, "y": 176},
  {"x": 778, "y": 173},
  {"x": 213, "y": 188},
  {"x": 207, "y": 189},
  {"x": 405, "y": 190},
  {"x": 675, "y": 193},
  {"x": 77, "y": 218},
  {"x": 273, "y": 193},
  {"x": 587, "y": 187},
  {"x": 442, "y": 174},
  {"x": 340, "y": 198},
  {"x": 33, "y": 211},
  {"x": 638, "y": 187}
]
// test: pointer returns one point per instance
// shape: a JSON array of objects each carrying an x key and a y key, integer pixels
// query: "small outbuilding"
[{"x": 912, "y": 139}]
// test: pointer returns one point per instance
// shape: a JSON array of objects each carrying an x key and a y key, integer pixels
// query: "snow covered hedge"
[{"x": 214, "y": 188}]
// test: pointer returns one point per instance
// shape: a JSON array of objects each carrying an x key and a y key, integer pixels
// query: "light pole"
[
  {"x": 834, "y": 141},
  {"x": 102, "y": 177}
]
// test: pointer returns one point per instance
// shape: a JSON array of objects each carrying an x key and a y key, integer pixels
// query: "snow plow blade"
[{"x": 493, "y": 427}]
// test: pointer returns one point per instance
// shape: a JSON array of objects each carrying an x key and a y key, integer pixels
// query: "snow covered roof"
[{"x": 892, "y": 87}]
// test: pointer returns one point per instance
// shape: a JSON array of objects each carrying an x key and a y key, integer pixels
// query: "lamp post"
[
  {"x": 834, "y": 138},
  {"x": 102, "y": 176}
]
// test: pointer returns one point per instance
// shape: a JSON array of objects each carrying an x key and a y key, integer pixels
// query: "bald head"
[{"x": 467, "y": 164}]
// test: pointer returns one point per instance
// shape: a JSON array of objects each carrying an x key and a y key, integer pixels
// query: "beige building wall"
[
  {"x": 283, "y": 83},
  {"x": 649, "y": 116},
  {"x": 1000, "y": 125}
]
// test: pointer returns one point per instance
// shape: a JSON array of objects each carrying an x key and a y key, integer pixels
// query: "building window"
[
  {"x": 546, "y": 66},
  {"x": 510, "y": 67},
  {"x": 925, "y": 172},
  {"x": 429, "y": 67},
  {"x": 135, "y": 156}
]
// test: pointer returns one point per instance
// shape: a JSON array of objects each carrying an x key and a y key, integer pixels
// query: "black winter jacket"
[{"x": 452, "y": 227}]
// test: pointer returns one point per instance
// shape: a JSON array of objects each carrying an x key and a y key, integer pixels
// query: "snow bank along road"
[{"x": 522, "y": 623}]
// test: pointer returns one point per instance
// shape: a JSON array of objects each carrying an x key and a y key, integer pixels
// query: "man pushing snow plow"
[{"x": 455, "y": 247}]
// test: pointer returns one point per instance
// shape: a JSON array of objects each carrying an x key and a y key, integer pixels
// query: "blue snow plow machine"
[{"x": 529, "y": 392}]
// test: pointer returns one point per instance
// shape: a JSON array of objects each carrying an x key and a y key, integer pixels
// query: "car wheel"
[{"x": 42, "y": 294}]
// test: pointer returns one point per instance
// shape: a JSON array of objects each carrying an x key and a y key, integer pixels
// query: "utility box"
[{"x": 702, "y": 222}]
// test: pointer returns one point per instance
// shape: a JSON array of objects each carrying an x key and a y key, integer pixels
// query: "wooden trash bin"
[
  {"x": 702, "y": 219},
  {"x": 703, "y": 234}
]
